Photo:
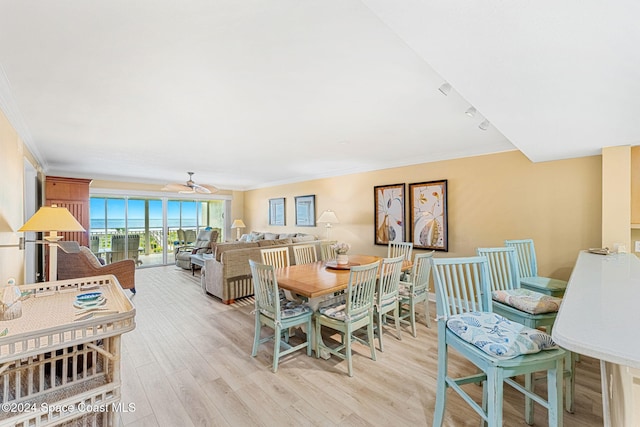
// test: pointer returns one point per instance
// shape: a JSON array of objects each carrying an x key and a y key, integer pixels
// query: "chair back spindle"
[
  {"x": 462, "y": 285},
  {"x": 400, "y": 248},
  {"x": 526, "y": 255},
  {"x": 277, "y": 257},
  {"x": 328, "y": 253},
  {"x": 503, "y": 267},
  {"x": 304, "y": 254},
  {"x": 362, "y": 285}
]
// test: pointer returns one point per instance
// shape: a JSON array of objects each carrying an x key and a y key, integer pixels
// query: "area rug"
[{"x": 244, "y": 302}]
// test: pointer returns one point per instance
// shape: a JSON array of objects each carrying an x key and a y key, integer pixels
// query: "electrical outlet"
[{"x": 637, "y": 246}]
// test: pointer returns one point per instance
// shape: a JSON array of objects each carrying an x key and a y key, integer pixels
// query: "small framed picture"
[
  {"x": 389, "y": 213},
  {"x": 276, "y": 211},
  {"x": 428, "y": 215},
  {"x": 306, "y": 211}
]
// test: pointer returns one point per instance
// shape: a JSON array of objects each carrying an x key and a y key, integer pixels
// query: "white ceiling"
[{"x": 254, "y": 93}]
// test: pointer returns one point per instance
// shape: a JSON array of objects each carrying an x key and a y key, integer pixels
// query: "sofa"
[{"x": 227, "y": 274}]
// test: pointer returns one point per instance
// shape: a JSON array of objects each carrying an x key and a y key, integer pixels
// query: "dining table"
[{"x": 321, "y": 280}]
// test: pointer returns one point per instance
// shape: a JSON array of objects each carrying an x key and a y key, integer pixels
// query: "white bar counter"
[{"x": 600, "y": 317}]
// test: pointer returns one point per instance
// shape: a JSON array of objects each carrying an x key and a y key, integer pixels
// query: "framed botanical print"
[
  {"x": 428, "y": 215},
  {"x": 276, "y": 211},
  {"x": 389, "y": 213},
  {"x": 306, "y": 211}
]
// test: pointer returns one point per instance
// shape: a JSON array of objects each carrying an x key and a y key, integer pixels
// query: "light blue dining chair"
[
  {"x": 529, "y": 308},
  {"x": 414, "y": 290},
  {"x": 528, "y": 266},
  {"x": 395, "y": 249},
  {"x": 351, "y": 312},
  {"x": 386, "y": 296},
  {"x": 279, "y": 315},
  {"x": 405, "y": 249},
  {"x": 463, "y": 287}
]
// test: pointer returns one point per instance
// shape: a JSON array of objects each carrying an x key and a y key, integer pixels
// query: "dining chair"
[
  {"x": 500, "y": 348},
  {"x": 532, "y": 309},
  {"x": 304, "y": 254},
  {"x": 528, "y": 267},
  {"x": 351, "y": 312},
  {"x": 386, "y": 295},
  {"x": 270, "y": 311},
  {"x": 395, "y": 249},
  {"x": 413, "y": 291},
  {"x": 327, "y": 250},
  {"x": 277, "y": 257}
]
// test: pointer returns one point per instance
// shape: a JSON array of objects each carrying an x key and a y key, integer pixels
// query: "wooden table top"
[{"x": 315, "y": 279}]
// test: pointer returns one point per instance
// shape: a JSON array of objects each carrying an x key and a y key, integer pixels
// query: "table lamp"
[
  {"x": 328, "y": 217},
  {"x": 52, "y": 219},
  {"x": 238, "y": 224}
]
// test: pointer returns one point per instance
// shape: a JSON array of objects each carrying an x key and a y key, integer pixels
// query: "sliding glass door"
[{"x": 148, "y": 230}]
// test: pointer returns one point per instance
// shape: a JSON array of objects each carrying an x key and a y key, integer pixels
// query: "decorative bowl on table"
[{"x": 88, "y": 297}]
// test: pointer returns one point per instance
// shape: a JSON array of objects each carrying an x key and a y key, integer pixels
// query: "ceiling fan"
[{"x": 190, "y": 187}]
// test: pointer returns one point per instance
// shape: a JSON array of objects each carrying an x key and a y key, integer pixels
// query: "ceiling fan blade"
[
  {"x": 176, "y": 188},
  {"x": 210, "y": 188},
  {"x": 201, "y": 189},
  {"x": 190, "y": 187}
]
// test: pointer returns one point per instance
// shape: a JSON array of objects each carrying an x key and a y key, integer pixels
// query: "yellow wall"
[
  {"x": 491, "y": 198},
  {"x": 12, "y": 153},
  {"x": 616, "y": 197}
]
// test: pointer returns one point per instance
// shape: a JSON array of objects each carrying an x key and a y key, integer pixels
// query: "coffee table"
[{"x": 198, "y": 259}]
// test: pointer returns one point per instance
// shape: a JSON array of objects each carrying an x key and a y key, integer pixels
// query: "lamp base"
[{"x": 328, "y": 228}]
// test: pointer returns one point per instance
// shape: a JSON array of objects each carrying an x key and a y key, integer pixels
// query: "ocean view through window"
[{"x": 151, "y": 225}]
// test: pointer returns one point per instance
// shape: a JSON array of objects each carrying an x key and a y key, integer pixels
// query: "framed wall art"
[
  {"x": 389, "y": 213},
  {"x": 428, "y": 215},
  {"x": 306, "y": 211},
  {"x": 276, "y": 211}
]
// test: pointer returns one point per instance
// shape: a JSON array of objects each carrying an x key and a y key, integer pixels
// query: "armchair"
[
  {"x": 83, "y": 263},
  {"x": 203, "y": 244}
]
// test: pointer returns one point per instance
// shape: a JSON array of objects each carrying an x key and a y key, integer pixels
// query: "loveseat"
[{"x": 227, "y": 274}]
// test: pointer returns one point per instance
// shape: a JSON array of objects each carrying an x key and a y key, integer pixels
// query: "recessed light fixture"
[
  {"x": 471, "y": 111},
  {"x": 484, "y": 125},
  {"x": 445, "y": 89}
]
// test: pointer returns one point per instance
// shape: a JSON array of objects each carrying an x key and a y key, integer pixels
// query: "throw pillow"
[{"x": 255, "y": 236}]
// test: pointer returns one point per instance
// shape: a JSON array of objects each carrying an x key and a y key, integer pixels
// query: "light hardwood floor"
[{"x": 188, "y": 363}]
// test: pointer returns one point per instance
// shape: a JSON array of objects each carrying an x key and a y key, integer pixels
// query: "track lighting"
[{"x": 445, "y": 89}]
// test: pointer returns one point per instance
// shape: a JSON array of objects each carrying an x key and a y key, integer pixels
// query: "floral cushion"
[
  {"x": 293, "y": 308},
  {"x": 405, "y": 290},
  {"x": 337, "y": 311},
  {"x": 528, "y": 301},
  {"x": 290, "y": 309},
  {"x": 498, "y": 336}
]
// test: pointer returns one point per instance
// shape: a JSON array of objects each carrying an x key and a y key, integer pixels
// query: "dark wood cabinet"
[{"x": 73, "y": 194}]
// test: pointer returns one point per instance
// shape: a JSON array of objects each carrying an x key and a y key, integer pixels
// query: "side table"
[{"x": 198, "y": 259}]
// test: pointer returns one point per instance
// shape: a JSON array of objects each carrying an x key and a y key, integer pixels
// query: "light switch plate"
[{"x": 637, "y": 246}]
